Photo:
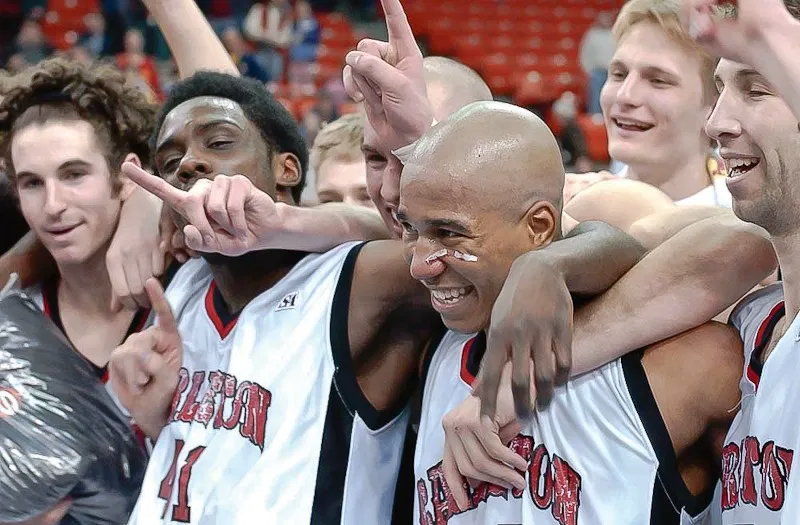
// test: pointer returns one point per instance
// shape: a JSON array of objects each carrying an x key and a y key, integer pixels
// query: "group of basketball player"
[{"x": 294, "y": 372}]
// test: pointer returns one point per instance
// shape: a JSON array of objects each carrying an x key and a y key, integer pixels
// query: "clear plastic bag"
[{"x": 61, "y": 434}]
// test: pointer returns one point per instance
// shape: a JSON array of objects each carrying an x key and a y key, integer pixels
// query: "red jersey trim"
[
  {"x": 762, "y": 338},
  {"x": 223, "y": 329},
  {"x": 466, "y": 375}
]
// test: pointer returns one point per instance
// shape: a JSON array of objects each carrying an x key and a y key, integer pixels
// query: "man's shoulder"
[{"x": 756, "y": 305}]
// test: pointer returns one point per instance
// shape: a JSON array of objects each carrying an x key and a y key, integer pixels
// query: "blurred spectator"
[
  {"x": 325, "y": 110},
  {"x": 597, "y": 49},
  {"x": 571, "y": 139},
  {"x": 80, "y": 54},
  {"x": 303, "y": 53},
  {"x": 306, "y": 35},
  {"x": 16, "y": 63},
  {"x": 223, "y": 14},
  {"x": 32, "y": 8},
  {"x": 134, "y": 60},
  {"x": 11, "y": 16},
  {"x": 244, "y": 59},
  {"x": 31, "y": 43},
  {"x": 338, "y": 164},
  {"x": 269, "y": 25},
  {"x": 95, "y": 40}
]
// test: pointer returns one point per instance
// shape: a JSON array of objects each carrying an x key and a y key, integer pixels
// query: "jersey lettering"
[
  {"x": 226, "y": 403},
  {"x": 553, "y": 484},
  {"x": 181, "y": 512},
  {"x": 752, "y": 473}
]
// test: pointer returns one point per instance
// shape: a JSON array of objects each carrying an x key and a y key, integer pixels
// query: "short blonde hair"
[
  {"x": 666, "y": 14},
  {"x": 341, "y": 140}
]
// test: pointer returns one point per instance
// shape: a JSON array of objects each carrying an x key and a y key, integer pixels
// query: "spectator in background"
[
  {"x": 338, "y": 164},
  {"x": 305, "y": 42},
  {"x": 80, "y": 54},
  {"x": 134, "y": 60},
  {"x": 325, "y": 110},
  {"x": 94, "y": 40},
  {"x": 597, "y": 49},
  {"x": 31, "y": 43},
  {"x": 269, "y": 25},
  {"x": 570, "y": 138},
  {"x": 244, "y": 59},
  {"x": 307, "y": 34},
  {"x": 16, "y": 63}
]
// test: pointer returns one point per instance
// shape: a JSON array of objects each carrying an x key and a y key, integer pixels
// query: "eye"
[
  {"x": 74, "y": 175},
  {"x": 219, "y": 143},
  {"x": 30, "y": 183},
  {"x": 447, "y": 234},
  {"x": 373, "y": 158},
  {"x": 169, "y": 165},
  {"x": 617, "y": 74},
  {"x": 756, "y": 93},
  {"x": 409, "y": 231}
]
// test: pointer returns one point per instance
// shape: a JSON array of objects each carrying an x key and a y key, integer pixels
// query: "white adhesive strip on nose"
[
  {"x": 468, "y": 257},
  {"x": 435, "y": 256}
]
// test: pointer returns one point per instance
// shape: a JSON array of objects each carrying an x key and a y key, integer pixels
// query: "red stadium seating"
[{"x": 594, "y": 131}]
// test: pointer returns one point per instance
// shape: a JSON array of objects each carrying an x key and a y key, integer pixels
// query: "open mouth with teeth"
[
  {"x": 631, "y": 125},
  {"x": 448, "y": 297},
  {"x": 740, "y": 166}
]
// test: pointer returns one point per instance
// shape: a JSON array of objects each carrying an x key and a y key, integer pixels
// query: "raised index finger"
[
  {"x": 162, "y": 189},
  {"x": 161, "y": 307},
  {"x": 400, "y": 35}
]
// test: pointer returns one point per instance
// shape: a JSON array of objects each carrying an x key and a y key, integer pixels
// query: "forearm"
[
  {"x": 776, "y": 58},
  {"x": 592, "y": 257},
  {"x": 323, "y": 227},
  {"x": 192, "y": 41},
  {"x": 654, "y": 229},
  {"x": 29, "y": 259},
  {"x": 681, "y": 284}
]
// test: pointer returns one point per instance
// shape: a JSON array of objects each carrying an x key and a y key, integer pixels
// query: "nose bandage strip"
[{"x": 444, "y": 252}]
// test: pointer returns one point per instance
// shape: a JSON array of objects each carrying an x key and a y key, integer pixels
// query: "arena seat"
[{"x": 594, "y": 131}]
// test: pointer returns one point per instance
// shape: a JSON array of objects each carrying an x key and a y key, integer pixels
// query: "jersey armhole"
[
  {"x": 344, "y": 376},
  {"x": 670, "y": 493}
]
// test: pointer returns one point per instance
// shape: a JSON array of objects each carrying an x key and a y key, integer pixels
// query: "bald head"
[
  {"x": 486, "y": 182},
  {"x": 500, "y": 152},
  {"x": 452, "y": 85}
]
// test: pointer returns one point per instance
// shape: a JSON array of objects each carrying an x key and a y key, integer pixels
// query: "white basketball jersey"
[
  {"x": 268, "y": 425},
  {"x": 600, "y": 454},
  {"x": 759, "y": 447}
]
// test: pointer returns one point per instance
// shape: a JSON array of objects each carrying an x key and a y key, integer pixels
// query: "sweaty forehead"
[{"x": 199, "y": 111}]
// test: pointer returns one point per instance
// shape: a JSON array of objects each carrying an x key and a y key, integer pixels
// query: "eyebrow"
[
  {"x": 647, "y": 69},
  {"x": 71, "y": 163},
  {"x": 741, "y": 76},
  {"x": 450, "y": 224},
  {"x": 201, "y": 127}
]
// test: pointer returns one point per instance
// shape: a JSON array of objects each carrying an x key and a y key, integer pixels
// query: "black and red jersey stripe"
[
  {"x": 763, "y": 336},
  {"x": 51, "y": 310}
]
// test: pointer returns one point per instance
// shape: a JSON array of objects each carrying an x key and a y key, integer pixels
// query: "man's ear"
[
  {"x": 542, "y": 223},
  {"x": 127, "y": 186},
  {"x": 288, "y": 174}
]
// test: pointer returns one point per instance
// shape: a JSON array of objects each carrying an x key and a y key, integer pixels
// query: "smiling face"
[
  {"x": 436, "y": 217},
  {"x": 653, "y": 102},
  {"x": 481, "y": 183},
  {"x": 760, "y": 143},
  {"x": 65, "y": 189}
]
